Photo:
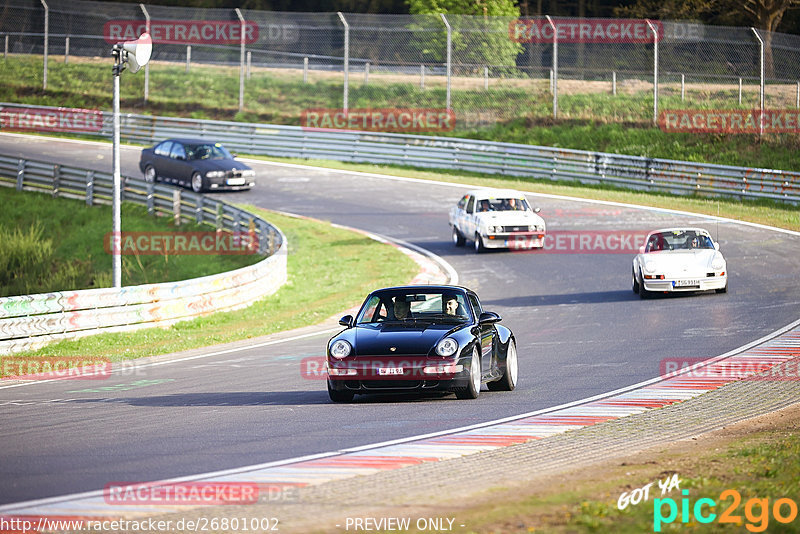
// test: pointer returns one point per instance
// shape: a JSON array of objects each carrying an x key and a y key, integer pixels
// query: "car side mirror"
[
  {"x": 489, "y": 318},
  {"x": 537, "y": 210},
  {"x": 641, "y": 249},
  {"x": 234, "y": 155},
  {"x": 346, "y": 321},
  {"x": 716, "y": 246}
]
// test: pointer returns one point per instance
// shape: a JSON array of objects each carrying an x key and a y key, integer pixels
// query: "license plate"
[
  {"x": 684, "y": 283},
  {"x": 235, "y": 181},
  {"x": 390, "y": 371}
]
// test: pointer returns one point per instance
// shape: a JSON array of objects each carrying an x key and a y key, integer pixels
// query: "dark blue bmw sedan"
[{"x": 196, "y": 163}]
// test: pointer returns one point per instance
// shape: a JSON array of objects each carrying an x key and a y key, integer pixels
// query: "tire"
[
  {"x": 150, "y": 174},
  {"x": 509, "y": 379},
  {"x": 635, "y": 283},
  {"x": 722, "y": 289},
  {"x": 339, "y": 396},
  {"x": 458, "y": 239},
  {"x": 643, "y": 293},
  {"x": 198, "y": 183},
  {"x": 479, "y": 244},
  {"x": 472, "y": 390}
]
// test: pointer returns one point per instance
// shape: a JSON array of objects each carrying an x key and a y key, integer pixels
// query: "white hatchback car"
[
  {"x": 496, "y": 218},
  {"x": 679, "y": 259}
]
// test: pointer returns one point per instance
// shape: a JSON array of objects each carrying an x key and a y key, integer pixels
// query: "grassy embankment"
[
  {"x": 330, "y": 269},
  {"x": 588, "y": 119}
]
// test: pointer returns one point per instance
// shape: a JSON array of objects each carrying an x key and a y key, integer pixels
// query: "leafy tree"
[{"x": 476, "y": 41}]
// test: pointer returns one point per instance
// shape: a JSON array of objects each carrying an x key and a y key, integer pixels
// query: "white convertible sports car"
[
  {"x": 679, "y": 259},
  {"x": 496, "y": 218}
]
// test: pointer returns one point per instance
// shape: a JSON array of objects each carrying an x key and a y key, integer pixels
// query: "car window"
[
  {"x": 163, "y": 149},
  {"x": 207, "y": 151},
  {"x": 425, "y": 305},
  {"x": 471, "y": 205},
  {"x": 476, "y": 305},
  {"x": 177, "y": 151}
]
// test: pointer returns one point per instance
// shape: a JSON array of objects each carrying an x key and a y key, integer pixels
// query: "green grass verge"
[
  {"x": 590, "y": 120},
  {"x": 56, "y": 244},
  {"x": 330, "y": 269},
  {"x": 763, "y": 465},
  {"x": 766, "y": 212}
]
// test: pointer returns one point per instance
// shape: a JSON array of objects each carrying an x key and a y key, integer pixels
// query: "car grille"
[
  {"x": 522, "y": 228},
  {"x": 391, "y": 384}
]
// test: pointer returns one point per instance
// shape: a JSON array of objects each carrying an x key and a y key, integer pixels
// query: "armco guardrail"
[
  {"x": 652, "y": 174},
  {"x": 32, "y": 321}
]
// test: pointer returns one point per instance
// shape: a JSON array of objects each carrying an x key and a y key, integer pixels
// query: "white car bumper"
[
  {"x": 687, "y": 284},
  {"x": 521, "y": 241}
]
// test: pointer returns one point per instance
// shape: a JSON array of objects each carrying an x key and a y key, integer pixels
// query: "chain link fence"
[{"x": 485, "y": 69}]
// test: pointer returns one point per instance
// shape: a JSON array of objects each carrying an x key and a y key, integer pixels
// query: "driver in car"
[{"x": 401, "y": 307}]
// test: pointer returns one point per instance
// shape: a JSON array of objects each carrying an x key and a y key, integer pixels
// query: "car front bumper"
[
  {"x": 514, "y": 241},
  {"x": 377, "y": 375},
  {"x": 678, "y": 285}
]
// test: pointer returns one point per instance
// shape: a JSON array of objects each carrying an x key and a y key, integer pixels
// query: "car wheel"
[
  {"x": 479, "y": 244},
  {"x": 150, "y": 174},
  {"x": 198, "y": 184},
  {"x": 722, "y": 289},
  {"x": 509, "y": 379},
  {"x": 643, "y": 293},
  {"x": 472, "y": 390},
  {"x": 458, "y": 239},
  {"x": 339, "y": 396},
  {"x": 635, "y": 282}
]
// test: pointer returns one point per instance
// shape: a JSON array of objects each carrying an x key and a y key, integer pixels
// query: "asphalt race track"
[{"x": 580, "y": 331}]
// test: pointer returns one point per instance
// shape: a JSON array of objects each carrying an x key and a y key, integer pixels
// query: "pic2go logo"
[{"x": 756, "y": 511}]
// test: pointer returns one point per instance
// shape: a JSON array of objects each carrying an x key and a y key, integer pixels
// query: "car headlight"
[
  {"x": 718, "y": 263},
  {"x": 215, "y": 174},
  {"x": 649, "y": 266},
  {"x": 447, "y": 347},
  {"x": 248, "y": 172},
  {"x": 340, "y": 349},
  {"x": 495, "y": 229}
]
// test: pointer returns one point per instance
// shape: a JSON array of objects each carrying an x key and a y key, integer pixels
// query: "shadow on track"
[{"x": 234, "y": 398}]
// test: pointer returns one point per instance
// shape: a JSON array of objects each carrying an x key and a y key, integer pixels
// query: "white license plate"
[
  {"x": 235, "y": 181},
  {"x": 390, "y": 371},
  {"x": 684, "y": 283}
]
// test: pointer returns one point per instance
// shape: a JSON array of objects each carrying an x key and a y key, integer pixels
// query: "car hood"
[
  {"x": 218, "y": 164},
  {"x": 682, "y": 263},
  {"x": 407, "y": 338},
  {"x": 511, "y": 218}
]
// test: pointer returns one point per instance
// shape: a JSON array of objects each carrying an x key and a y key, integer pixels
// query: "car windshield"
[
  {"x": 207, "y": 151},
  {"x": 503, "y": 204},
  {"x": 678, "y": 240},
  {"x": 415, "y": 305}
]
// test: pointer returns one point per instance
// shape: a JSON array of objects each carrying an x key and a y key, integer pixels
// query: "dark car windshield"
[
  {"x": 414, "y": 305},
  {"x": 207, "y": 151}
]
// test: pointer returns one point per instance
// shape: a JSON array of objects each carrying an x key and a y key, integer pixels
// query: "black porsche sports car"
[
  {"x": 201, "y": 165},
  {"x": 418, "y": 339}
]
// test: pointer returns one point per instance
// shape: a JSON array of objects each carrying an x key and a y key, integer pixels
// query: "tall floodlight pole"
[
  {"x": 555, "y": 66},
  {"x": 134, "y": 54},
  {"x": 655, "y": 71},
  {"x": 761, "y": 83}
]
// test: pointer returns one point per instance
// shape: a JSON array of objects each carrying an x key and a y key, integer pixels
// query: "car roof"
[
  {"x": 495, "y": 193},
  {"x": 189, "y": 141},
  {"x": 425, "y": 287}
]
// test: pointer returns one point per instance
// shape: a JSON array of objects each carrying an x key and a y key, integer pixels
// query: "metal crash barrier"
[{"x": 32, "y": 321}]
